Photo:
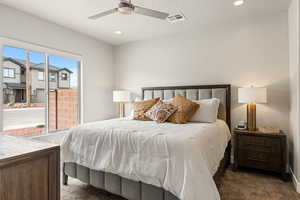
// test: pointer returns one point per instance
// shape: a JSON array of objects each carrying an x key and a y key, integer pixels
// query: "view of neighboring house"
[{"x": 14, "y": 80}]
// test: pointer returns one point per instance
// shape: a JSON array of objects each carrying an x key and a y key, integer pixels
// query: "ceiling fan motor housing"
[{"x": 126, "y": 8}]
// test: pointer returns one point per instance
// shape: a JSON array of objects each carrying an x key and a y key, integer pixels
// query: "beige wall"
[
  {"x": 98, "y": 74},
  {"x": 35, "y": 82},
  {"x": 294, "y": 88},
  {"x": 241, "y": 53}
]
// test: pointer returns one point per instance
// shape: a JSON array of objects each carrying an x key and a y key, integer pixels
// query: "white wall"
[
  {"x": 241, "y": 53},
  {"x": 294, "y": 87},
  {"x": 98, "y": 78}
]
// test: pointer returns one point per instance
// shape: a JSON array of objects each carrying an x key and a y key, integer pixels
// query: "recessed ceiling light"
[
  {"x": 118, "y": 32},
  {"x": 238, "y": 2}
]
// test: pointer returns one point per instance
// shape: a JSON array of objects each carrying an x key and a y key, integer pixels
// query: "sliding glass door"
[
  {"x": 40, "y": 92},
  {"x": 63, "y": 93}
]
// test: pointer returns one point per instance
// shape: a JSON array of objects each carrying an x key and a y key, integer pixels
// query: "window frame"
[
  {"x": 6, "y": 41},
  {"x": 12, "y": 69},
  {"x": 39, "y": 77},
  {"x": 66, "y": 78},
  {"x": 50, "y": 76}
]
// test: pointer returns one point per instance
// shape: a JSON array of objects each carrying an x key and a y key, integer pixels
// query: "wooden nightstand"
[{"x": 266, "y": 151}]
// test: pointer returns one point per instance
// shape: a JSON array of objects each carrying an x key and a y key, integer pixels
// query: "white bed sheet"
[{"x": 181, "y": 158}]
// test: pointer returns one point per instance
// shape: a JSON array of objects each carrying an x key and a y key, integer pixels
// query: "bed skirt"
[{"x": 129, "y": 189}]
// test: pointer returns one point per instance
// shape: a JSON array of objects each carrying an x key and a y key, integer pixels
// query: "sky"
[{"x": 38, "y": 57}]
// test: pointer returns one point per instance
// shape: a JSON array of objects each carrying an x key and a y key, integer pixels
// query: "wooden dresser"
[
  {"x": 266, "y": 151},
  {"x": 29, "y": 170}
]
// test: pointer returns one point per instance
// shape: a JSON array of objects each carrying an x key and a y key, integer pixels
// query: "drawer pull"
[
  {"x": 258, "y": 149},
  {"x": 257, "y": 160},
  {"x": 257, "y": 144}
]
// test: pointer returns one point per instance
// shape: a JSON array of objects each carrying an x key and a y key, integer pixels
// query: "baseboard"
[{"x": 295, "y": 181}]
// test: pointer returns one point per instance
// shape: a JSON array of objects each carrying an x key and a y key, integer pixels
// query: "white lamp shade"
[
  {"x": 252, "y": 95},
  {"x": 121, "y": 96}
]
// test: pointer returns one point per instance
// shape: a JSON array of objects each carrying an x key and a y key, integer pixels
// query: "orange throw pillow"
[
  {"x": 185, "y": 110},
  {"x": 141, "y": 107}
]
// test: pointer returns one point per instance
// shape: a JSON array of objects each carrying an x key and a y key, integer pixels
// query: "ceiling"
[{"x": 74, "y": 14}]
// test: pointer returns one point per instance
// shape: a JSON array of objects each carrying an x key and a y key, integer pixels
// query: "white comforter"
[{"x": 181, "y": 158}]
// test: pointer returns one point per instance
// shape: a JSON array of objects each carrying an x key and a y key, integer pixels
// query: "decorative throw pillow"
[
  {"x": 141, "y": 107},
  {"x": 161, "y": 111},
  {"x": 185, "y": 109}
]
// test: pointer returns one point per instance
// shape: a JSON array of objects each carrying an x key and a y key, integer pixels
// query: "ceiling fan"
[{"x": 127, "y": 8}]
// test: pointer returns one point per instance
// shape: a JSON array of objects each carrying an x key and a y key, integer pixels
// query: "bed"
[{"x": 148, "y": 161}]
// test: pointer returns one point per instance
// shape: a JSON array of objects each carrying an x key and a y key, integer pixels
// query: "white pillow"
[
  {"x": 207, "y": 112},
  {"x": 168, "y": 100},
  {"x": 131, "y": 115}
]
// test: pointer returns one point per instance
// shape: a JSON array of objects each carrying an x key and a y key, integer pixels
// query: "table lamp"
[
  {"x": 121, "y": 97},
  {"x": 252, "y": 96}
]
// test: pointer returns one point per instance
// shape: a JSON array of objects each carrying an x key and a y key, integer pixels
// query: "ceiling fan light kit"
[
  {"x": 176, "y": 18},
  {"x": 126, "y": 7}
]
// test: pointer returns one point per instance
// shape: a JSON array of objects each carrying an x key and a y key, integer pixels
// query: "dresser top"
[{"x": 11, "y": 146}]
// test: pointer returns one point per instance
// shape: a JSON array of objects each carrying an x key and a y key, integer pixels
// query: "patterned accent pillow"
[
  {"x": 161, "y": 111},
  {"x": 185, "y": 110},
  {"x": 140, "y": 107}
]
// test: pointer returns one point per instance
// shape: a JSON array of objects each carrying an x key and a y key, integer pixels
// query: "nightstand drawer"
[
  {"x": 260, "y": 144},
  {"x": 266, "y": 151},
  {"x": 259, "y": 160}
]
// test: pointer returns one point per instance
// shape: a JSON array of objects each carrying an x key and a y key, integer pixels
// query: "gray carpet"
[{"x": 239, "y": 185}]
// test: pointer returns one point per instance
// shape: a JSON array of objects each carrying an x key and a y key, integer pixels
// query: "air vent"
[{"x": 175, "y": 18}]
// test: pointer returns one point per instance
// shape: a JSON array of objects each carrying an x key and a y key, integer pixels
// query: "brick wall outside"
[
  {"x": 25, "y": 131},
  {"x": 63, "y": 113},
  {"x": 52, "y": 109},
  {"x": 63, "y": 109}
]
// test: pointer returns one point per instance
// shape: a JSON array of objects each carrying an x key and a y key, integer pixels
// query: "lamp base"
[
  {"x": 251, "y": 117},
  {"x": 121, "y": 109}
]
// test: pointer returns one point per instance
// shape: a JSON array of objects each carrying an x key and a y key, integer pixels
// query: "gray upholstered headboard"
[{"x": 196, "y": 92}]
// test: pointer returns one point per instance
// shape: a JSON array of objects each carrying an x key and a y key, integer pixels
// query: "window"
[
  {"x": 33, "y": 92},
  {"x": 8, "y": 91},
  {"x": 45, "y": 92},
  {"x": 9, "y": 73},
  {"x": 64, "y": 76},
  {"x": 52, "y": 76},
  {"x": 40, "y": 76}
]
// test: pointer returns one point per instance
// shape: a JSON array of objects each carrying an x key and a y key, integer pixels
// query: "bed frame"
[{"x": 134, "y": 190}]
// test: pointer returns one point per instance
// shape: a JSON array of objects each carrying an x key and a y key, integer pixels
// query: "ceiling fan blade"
[
  {"x": 97, "y": 16},
  {"x": 150, "y": 12}
]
